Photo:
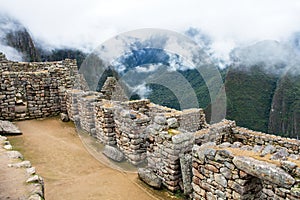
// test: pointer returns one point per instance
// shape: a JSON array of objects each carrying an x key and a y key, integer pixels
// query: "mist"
[
  {"x": 7, "y": 25},
  {"x": 85, "y": 25}
]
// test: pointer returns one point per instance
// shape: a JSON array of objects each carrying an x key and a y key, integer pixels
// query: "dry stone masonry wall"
[
  {"x": 34, "y": 90},
  {"x": 182, "y": 152},
  {"x": 229, "y": 171},
  {"x": 169, "y": 141}
]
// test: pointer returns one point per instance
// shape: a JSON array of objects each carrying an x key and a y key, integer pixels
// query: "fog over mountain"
[
  {"x": 255, "y": 45},
  {"x": 85, "y": 25}
]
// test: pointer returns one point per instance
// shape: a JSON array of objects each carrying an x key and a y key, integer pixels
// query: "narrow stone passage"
[{"x": 69, "y": 171}]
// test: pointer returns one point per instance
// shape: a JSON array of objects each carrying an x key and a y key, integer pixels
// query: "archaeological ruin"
[{"x": 178, "y": 150}]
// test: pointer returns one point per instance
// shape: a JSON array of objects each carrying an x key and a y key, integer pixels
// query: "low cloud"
[{"x": 85, "y": 25}]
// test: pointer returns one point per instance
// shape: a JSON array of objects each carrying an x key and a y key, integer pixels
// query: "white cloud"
[{"x": 86, "y": 24}]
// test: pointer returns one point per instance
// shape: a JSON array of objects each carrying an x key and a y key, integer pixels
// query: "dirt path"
[
  {"x": 12, "y": 180},
  {"x": 69, "y": 171}
]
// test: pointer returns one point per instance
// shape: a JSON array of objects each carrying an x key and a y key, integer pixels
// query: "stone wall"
[
  {"x": 228, "y": 171},
  {"x": 112, "y": 90},
  {"x": 130, "y": 130},
  {"x": 218, "y": 133},
  {"x": 165, "y": 145},
  {"x": 104, "y": 122},
  {"x": 86, "y": 111},
  {"x": 250, "y": 137},
  {"x": 34, "y": 90}
]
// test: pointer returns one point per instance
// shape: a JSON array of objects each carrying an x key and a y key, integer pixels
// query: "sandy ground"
[{"x": 69, "y": 171}]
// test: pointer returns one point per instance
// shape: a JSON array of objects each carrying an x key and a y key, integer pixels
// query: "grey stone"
[
  {"x": 2, "y": 138},
  {"x": 220, "y": 194},
  {"x": 33, "y": 179},
  {"x": 14, "y": 155},
  {"x": 8, "y": 147},
  {"x": 282, "y": 154},
  {"x": 9, "y": 128},
  {"x": 257, "y": 148},
  {"x": 23, "y": 164},
  {"x": 186, "y": 170},
  {"x": 64, "y": 117},
  {"x": 294, "y": 156},
  {"x": 149, "y": 177},
  {"x": 237, "y": 145},
  {"x": 30, "y": 171},
  {"x": 113, "y": 153},
  {"x": 172, "y": 123},
  {"x": 263, "y": 170},
  {"x": 225, "y": 145},
  {"x": 246, "y": 148},
  {"x": 202, "y": 152},
  {"x": 268, "y": 150},
  {"x": 226, "y": 172},
  {"x": 35, "y": 197},
  {"x": 220, "y": 179},
  {"x": 161, "y": 120},
  {"x": 38, "y": 188},
  {"x": 210, "y": 196},
  {"x": 288, "y": 165}
]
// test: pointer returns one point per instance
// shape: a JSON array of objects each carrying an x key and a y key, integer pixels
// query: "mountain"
[
  {"x": 61, "y": 54},
  {"x": 15, "y": 41},
  {"x": 259, "y": 97},
  {"x": 249, "y": 96},
  {"x": 285, "y": 110}
]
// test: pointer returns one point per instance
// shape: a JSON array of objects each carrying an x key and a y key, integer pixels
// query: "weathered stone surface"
[
  {"x": 14, "y": 154},
  {"x": 23, "y": 164},
  {"x": 33, "y": 179},
  {"x": 113, "y": 153},
  {"x": 257, "y": 148},
  {"x": 35, "y": 197},
  {"x": 186, "y": 170},
  {"x": 268, "y": 149},
  {"x": 7, "y": 147},
  {"x": 264, "y": 171},
  {"x": 226, "y": 172},
  {"x": 30, "y": 171},
  {"x": 149, "y": 177},
  {"x": 172, "y": 123},
  {"x": 220, "y": 179},
  {"x": 160, "y": 120},
  {"x": 282, "y": 154},
  {"x": 8, "y": 128},
  {"x": 64, "y": 117}
]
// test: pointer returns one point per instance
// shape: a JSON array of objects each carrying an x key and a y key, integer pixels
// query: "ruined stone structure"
[
  {"x": 34, "y": 90},
  {"x": 180, "y": 150}
]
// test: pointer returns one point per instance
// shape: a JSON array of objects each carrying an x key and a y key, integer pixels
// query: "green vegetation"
[
  {"x": 285, "y": 113},
  {"x": 249, "y": 97}
]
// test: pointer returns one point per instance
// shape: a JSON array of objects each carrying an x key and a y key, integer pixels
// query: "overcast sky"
[{"x": 86, "y": 24}]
